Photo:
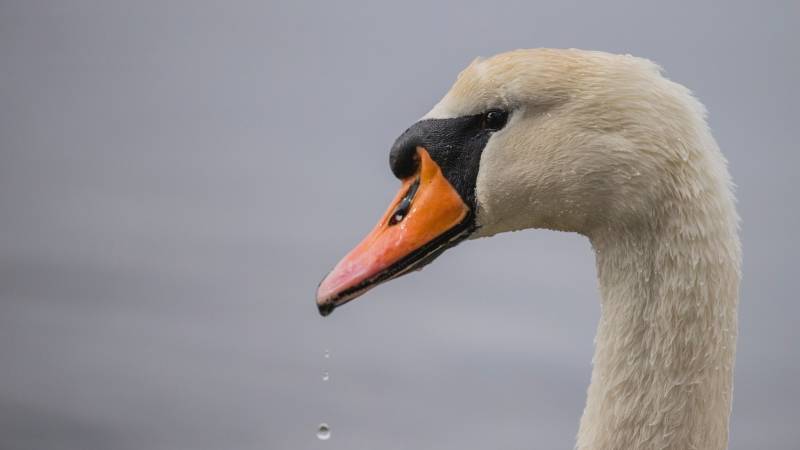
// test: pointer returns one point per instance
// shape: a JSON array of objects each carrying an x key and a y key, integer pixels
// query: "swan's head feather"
[{"x": 593, "y": 139}]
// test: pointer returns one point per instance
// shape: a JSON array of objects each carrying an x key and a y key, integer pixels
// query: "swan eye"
[{"x": 494, "y": 120}]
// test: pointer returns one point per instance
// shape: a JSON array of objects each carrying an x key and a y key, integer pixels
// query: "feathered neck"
[{"x": 664, "y": 352}]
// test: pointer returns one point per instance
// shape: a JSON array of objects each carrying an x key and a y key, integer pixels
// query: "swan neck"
[{"x": 664, "y": 351}]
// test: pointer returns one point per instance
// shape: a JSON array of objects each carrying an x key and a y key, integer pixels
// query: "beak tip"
[
  {"x": 324, "y": 300},
  {"x": 325, "y": 308}
]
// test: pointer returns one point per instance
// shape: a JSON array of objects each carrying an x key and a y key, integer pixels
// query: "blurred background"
[{"x": 176, "y": 178}]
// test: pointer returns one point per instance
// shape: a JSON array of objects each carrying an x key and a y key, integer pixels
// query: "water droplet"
[
  {"x": 327, "y": 354},
  {"x": 326, "y": 376},
  {"x": 323, "y": 432}
]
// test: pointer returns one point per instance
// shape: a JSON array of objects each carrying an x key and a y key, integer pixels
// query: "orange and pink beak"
[{"x": 426, "y": 216}]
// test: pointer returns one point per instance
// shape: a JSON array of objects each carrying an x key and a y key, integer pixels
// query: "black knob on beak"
[{"x": 403, "y": 157}]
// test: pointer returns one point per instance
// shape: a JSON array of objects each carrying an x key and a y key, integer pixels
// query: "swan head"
[{"x": 567, "y": 140}]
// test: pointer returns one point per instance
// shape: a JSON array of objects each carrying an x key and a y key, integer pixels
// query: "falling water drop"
[
  {"x": 323, "y": 432},
  {"x": 326, "y": 376},
  {"x": 327, "y": 354}
]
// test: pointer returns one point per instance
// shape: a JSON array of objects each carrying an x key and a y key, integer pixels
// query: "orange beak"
[{"x": 426, "y": 216}]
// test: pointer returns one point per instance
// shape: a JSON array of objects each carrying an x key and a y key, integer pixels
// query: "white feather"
[{"x": 605, "y": 146}]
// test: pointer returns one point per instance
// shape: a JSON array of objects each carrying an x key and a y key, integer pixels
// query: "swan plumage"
[{"x": 606, "y": 146}]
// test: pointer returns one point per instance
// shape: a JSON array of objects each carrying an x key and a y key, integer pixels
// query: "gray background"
[{"x": 176, "y": 177}]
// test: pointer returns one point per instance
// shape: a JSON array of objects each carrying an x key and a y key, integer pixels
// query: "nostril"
[
  {"x": 404, "y": 206},
  {"x": 400, "y": 212},
  {"x": 403, "y": 158}
]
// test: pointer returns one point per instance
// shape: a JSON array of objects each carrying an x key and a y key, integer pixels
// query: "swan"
[{"x": 602, "y": 145}]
